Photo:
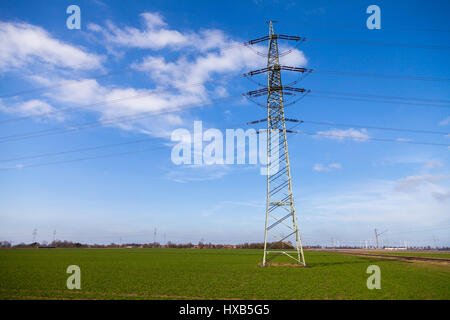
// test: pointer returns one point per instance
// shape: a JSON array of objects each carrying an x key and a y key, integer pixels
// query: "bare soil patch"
[{"x": 399, "y": 257}]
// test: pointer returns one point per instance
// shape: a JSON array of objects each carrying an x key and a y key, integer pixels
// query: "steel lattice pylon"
[{"x": 281, "y": 227}]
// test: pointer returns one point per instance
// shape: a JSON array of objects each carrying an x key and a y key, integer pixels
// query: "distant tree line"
[{"x": 200, "y": 245}]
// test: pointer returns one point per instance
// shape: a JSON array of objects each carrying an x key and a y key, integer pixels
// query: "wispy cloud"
[
  {"x": 410, "y": 200},
  {"x": 412, "y": 183},
  {"x": 340, "y": 134},
  {"x": 23, "y": 44},
  {"x": 433, "y": 164},
  {"x": 321, "y": 167},
  {"x": 192, "y": 173},
  {"x": 444, "y": 122},
  {"x": 32, "y": 108},
  {"x": 402, "y": 139},
  {"x": 154, "y": 35},
  {"x": 180, "y": 81}
]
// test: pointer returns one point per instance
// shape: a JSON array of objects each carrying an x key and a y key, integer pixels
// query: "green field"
[{"x": 211, "y": 274}]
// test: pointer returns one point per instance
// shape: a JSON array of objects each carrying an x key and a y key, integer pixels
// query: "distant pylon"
[
  {"x": 34, "y": 235},
  {"x": 377, "y": 234},
  {"x": 281, "y": 234}
]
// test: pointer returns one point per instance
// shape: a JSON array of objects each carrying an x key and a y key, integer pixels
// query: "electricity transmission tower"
[
  {"x": 34, "y": 235},
  {"x": 377, "y": 234},
  {"x": 281, "y": 236}
]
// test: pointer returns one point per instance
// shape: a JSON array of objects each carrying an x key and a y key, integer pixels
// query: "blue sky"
[{"x": 343, "y": 188}]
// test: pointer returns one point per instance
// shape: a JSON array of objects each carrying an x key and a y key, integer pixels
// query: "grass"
[{"x": 210, "y": 274}]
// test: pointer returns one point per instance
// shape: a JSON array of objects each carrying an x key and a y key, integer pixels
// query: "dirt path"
[{"x": 391, "y": 256}]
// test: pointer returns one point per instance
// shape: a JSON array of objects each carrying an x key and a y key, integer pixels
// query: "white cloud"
[
  {"x": 402, "y": 140},
  {"x": 335, "y": 166},
  {"x": 32, "y": 108},
  {"x": 149, "y": 111},
  {"x": 444, "y": 122},
  {"x": 412, "y": 183},
  {"x": 408, "y": 201},
  {"x": 153, "y": 20},
  {"x": 192, "y": 173},
  {"x": 156, "y": 34},
  {"x": 339, "y": 134},
  {"x": 441, "y": 196},
  {"x": 212, "y": 53},
  {"x": 81, "y": 92},
  {"x": 199, "y": 70},
  {"x": 321, "y": 167},
  {"x": 433, "y": 164},
  {"x": 424, "y": 159},
  {"x": 23, "y": 44},
  {"x": 295, "y": 58},
  {"x": 153, "y": 36},
  {"x": 181, "y": 81}
]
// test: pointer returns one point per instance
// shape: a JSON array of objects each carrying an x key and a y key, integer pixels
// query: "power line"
[
  {"x": 348, "y": 26},
  {"x": 312, "y": 95},
  {"x": 138, "y": 151},
  {"x": 85, "y": 158},
  {"x": 99, "y": 147},
  {"x": 375, "y": 127},
  {"x": 384, "y": 44},
  {"x": 77, "y": 150},
  {"x": 343, "y": 136},
  {"x": 381, "y": 96},
  {"x": 73, "y": 81},
  {"x": 104, "y": 75},
  {"x": 93, "y": 124},
  {"x": 46, "y": 71},
  {"x": 380, "y": 75},
  {"x": 100, "y": 103},
  {"x": 72, "y": 109},
  {"x": 64, "y": 83},
  {"x": 235, "y": 45},
  {"x": 82, "y": 150},
  {"x": 369, "y": 43},
  {"x": 420, "y": 230},
  {"x": 148, "y": 233}
]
